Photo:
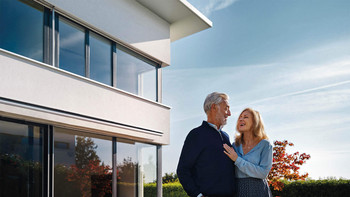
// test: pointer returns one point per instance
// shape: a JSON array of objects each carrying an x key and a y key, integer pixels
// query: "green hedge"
[
  {"x": 169, "y": 189},
  {"x": 174, "y": 190},
  {"x": 310, "y": 188},
  {"x": 319, "y": 188}
]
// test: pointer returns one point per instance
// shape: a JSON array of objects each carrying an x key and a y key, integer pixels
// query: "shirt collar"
[{"x": 214, "y": 126}]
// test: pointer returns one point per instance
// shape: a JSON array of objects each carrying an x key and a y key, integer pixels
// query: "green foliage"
[
  {"x": 169, "y": 189},
  {"x": 85, "y": 151},
  {"x": 62, "y": 186},
  {"x": 170, "y": 178},
  {"x": 19, "y": 176},
  {"x": 150, "y": 190},
  {"x": 174, "y": 189},
  {"x": 310, "y": 188},
  {"x": 319, "y": 188}
]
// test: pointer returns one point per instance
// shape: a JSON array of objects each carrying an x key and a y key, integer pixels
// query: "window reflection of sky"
[
  {"x": 22, "y": 28},
  {"x": 131, "y": 75},
  {"x": 145, "y": 155},
  {"x": 104, "y": 150},
  {"x": 71, "y": 47},
  {"x": 67, "y": 156},
  {"x": 100, "y": 59}
]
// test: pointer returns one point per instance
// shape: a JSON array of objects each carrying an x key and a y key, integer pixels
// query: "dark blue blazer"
[{"x": 203, "y": 166}]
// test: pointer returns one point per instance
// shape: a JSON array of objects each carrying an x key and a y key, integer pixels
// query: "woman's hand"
[{"x": 230, "y": 152}]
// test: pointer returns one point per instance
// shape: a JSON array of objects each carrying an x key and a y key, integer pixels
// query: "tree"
[
  {"x": 127, "y": 171},
  {"x": 285, "y": 166},
  {"x": 85, "y": 151},
  {"x": 93, "y": 177}
]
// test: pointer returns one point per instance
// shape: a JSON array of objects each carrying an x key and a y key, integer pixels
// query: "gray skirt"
[{"x": 252, "y": 187}]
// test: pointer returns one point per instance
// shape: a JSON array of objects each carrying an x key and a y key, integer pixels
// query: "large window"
[
  {"x": 100, "y": 59},
  {"x": 135, "y": 75},
  {"x": 71, "y": 47},
  {"x": 21, "y": 28},
  {"x": 26, "y": 28},
  {"x": 83, "y": 164},
  {"x": 21, "y": 159},
  {"x": 136, "y": 165}
]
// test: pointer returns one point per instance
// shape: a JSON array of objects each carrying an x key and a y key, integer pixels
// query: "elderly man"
[{"x": 204, "y": 169}]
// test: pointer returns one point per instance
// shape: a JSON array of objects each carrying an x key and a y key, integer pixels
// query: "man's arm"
[{"x": 189, "y": 154}]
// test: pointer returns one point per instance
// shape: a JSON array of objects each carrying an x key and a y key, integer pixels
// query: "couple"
[{"x": 210, "y": 166}]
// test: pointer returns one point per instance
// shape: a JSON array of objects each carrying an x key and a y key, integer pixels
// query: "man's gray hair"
[{"x": 214, "y": 98}]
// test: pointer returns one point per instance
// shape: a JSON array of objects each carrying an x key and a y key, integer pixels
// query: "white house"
[{"x": 81, "y": 110}]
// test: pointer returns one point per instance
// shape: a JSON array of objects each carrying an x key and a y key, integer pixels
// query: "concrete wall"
[
  {"x": 125, "y": 20},
  {"x": 54, "y": 96}
]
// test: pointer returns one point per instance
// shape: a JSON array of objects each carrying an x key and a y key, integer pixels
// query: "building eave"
[{"x": 184, "y": 19}]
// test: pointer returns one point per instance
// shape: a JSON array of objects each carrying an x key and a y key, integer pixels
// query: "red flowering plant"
[
  {"x": 285, "y": 166},
  {"x": 93, "y": 177}
]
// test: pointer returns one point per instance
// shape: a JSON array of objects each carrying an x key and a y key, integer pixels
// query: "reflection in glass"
[
  {"x": 71, "y": 47},
  {"x": 135, "y": 75},
  {"x": 21, "y": 28},
  {"x": 20, "y": 160},
  {"x": 100, "y": 59},
  {"x": 136, "y": 167},
  {"x": 83, "y": 164}
]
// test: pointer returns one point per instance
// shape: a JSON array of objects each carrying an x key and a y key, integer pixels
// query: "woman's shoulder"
[
  {"x": 265, "y": 143},
  {"x": 235, "y": 145}
]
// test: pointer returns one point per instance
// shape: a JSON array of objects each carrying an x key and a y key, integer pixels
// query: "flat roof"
[{"x": 184, "y": 19}]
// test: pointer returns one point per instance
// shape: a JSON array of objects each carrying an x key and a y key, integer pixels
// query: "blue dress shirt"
[{"x": 256, "y": 163}]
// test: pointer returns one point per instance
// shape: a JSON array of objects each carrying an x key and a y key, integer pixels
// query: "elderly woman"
[{"x": 252, "y": 155}]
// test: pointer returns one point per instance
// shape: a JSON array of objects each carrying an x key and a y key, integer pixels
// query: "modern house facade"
[{"x": 81, "y": 110}]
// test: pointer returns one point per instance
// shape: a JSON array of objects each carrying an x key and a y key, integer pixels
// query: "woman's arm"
[{"x": 253, "y": 170}]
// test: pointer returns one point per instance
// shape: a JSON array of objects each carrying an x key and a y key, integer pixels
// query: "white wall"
[
  {"x": 25, "y": 80},
  {"x": 125, "y": 20}
]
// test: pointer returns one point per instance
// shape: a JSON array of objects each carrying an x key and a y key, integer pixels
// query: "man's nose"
[{"x": 229, "y": 113}]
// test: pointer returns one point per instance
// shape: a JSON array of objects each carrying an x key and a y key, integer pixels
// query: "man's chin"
[{"x": 224, "y": 123}]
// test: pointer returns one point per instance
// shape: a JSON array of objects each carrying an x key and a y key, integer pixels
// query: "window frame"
[
  {"x": 115, "y": 46},
  {"x": 45, "y": 153}
]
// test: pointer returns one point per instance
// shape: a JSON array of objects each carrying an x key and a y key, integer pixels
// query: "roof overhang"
[{"x": 184, "y": 19}]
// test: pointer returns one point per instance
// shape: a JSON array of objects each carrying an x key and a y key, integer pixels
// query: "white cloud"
[{"x": 209, "y": 6}]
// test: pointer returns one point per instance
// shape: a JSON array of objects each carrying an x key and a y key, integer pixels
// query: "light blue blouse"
[{"x": 256, "y": 163}]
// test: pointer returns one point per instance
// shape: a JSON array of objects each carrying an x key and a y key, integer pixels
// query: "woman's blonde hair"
[{"x": 257, "y": 127}]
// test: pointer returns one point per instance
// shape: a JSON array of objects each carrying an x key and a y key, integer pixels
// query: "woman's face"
[{"x": 245, "y": 121}]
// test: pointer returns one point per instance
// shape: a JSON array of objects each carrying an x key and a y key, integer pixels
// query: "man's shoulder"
[
  {"x": 198, "y": 130},
  {"x": 203, "y": 126}
]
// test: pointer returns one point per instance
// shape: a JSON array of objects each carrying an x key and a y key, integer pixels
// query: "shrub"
[
  {"x": 174, "y": 189},
  {"x": 315, "y": 188},
  {"x": 169, "y": 189},
  {"x": 310, "y": 188}
]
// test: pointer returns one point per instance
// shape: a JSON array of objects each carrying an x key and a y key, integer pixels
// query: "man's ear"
[{"x": 213, "y": 107}]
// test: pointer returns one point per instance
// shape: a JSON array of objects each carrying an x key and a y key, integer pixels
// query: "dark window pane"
[
  {"x": 83, "y": 164},
  {"x": 136, "y": 165},
  {"x": 135, "y": 75},
  {"x": 21, "y": 28},
  {"x": 20, "y": 160},
  {"x": 71, "y": 47},
  {"x": 100, "y": 59}
]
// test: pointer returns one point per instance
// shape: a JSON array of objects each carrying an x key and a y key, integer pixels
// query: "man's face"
[{"x": 222, "y": 113}]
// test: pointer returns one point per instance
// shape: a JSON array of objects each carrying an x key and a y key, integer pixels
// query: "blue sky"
[{"x": 288, "y": 59}]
